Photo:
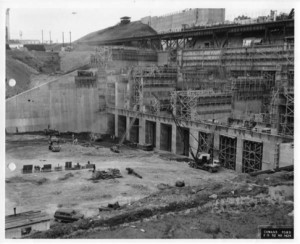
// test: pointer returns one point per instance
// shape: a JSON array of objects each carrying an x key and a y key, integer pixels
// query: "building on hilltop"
[{"x": 188, "y": 18}]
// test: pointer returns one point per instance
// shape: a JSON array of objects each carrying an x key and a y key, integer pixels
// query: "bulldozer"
[{"x": 205, "y": 162}]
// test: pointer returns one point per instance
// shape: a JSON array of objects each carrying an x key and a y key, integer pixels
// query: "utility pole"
[
  {"x": 70, "y": 38},
  {"x": 50, "y": 37},
  {"x": 42, "y": 36},
  {"x": 63, "y": 39}
]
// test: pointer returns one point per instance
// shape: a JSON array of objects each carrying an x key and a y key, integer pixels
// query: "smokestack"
[
  {"x": 7, "y": 26},
  {"x": 15, "y": 211}
]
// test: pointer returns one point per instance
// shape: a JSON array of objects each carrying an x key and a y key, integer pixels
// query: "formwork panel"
[
  {"x": 252, "y": 156},
  {"x": 227, "y": 152}
]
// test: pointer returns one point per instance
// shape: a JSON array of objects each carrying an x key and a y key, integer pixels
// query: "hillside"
[
  {"x": 132, "y": 29},
  {"x": 23, "y": 66}
]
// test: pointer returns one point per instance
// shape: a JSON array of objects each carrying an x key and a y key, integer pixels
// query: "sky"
[{"x": 31, "y": 18}]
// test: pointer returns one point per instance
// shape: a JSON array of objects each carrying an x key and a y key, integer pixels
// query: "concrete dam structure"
[{"x": 60, "y": 104}]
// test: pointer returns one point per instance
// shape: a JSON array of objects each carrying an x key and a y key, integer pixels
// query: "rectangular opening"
[
  {"x": 227, "y": 152},
  {"x": 182, "y": 141},
  {"x": 111, "y": 124},
  {"x": 134, "y": 130},
  {"x": 252, "y": 156},
  {"x": 121, "y": 125},
  {"x": 166, "y": 137},
  {"x": 26, "y": 231},
  {"x": 151, "y": 133}
]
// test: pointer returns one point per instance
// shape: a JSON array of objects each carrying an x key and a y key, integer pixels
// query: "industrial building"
[
  {"x": 229, "y": 88},
  {"x": 185, "y": 18},
  {"x": 25, "y": 224}
]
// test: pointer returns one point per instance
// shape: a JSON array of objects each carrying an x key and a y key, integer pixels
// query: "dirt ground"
[
  {"x": 219, "y": 205},
  {"x": 46, "y": 191}
]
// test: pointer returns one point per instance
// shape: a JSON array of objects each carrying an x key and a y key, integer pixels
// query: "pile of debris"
[{"x": 104, "y": 175}]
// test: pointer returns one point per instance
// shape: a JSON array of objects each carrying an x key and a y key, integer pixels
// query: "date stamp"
[{"x": 276, "y": 232}]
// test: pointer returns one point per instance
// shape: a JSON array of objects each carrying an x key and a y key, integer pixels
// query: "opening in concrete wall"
[
  {"x": 182, "y": 141},
  {"x": 134, "y": 131},
  {"x": 252, "y": 156},
  {"x": 150, "y": 136},
  {"x": 227, "y": 152},
  {"x": 111, "y": 124},
  {"x": 121, "y": 125},
  {"x": 205, "y": 143},
  {"x": 166, "y": 137}
]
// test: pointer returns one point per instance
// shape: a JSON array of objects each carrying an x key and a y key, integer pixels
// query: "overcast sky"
[{"x": 82, "y": 17}]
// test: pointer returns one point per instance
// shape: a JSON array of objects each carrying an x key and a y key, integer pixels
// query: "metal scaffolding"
[
  {"x": 145, "y": 78},
  {"x": 287, "y": 117},
  {"x": 101, "y": 57},
  {"x": 227, "y": 152},
  {"x": 184, "y": 103},
  {"x": 252, "y": 156},
  {"x": 282, "y": 110}
]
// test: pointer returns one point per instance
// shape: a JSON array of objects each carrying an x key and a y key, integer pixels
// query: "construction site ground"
[{"x": 219, "y": 205}]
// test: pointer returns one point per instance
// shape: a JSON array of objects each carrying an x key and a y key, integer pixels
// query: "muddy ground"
[{"x": 219, "y": 205}]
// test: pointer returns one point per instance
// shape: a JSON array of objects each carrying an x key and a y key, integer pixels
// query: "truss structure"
[
  {"x": 252, "y": 156},
  {"x": 227, "y": 152}
]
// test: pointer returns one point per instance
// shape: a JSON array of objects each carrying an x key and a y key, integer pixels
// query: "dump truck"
[{"x": 205, "y": 162}]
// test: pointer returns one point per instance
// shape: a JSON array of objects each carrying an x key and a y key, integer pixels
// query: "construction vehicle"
[
  {"x": 54, "y": 144},
  {"x": 205, "y": 162},
  {"x": 54, "y": 147},
  {"x": 202, "y": 160}
]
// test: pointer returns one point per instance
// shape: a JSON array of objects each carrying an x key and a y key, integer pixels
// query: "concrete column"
[
  {"x": 157, "y": 135},
  {"x": 116, "y": 124},
  {"x": 216, "y": 145},
  {"x": 239, "y": 155},
  {"x": 127, "y": 128},
  {"x": 173, "y": 144},
  {"x": 142, "y": 131},
  {"x": 268, "y": 157},
  {"x": 116, "y": 95}
]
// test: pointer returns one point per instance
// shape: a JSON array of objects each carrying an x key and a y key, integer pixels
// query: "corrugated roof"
[{"x": 25, "y": 218}]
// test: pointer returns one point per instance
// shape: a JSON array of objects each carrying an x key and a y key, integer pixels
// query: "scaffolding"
[
  {"x": 282, "y": 110},
  {"x": 287, "y": 117},
  {"x": 253, "y": 87},
  {"x": 101, "y": 57},
  {"x": 227, "y": 152},
  {"x": 145, "y": 78},
  {"x": 252, "y": 156},
  {"x": 184, "y": 103}
]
